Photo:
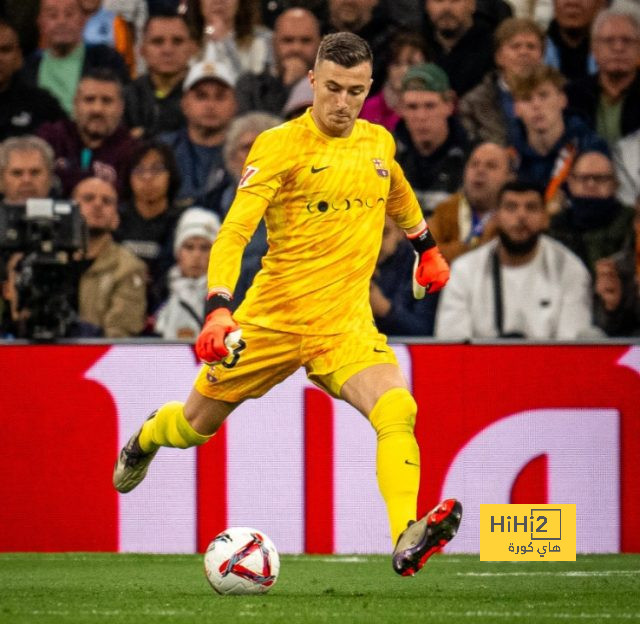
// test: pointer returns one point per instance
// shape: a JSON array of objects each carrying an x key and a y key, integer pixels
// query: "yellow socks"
[
  {"x": 398, "y": 456},
  {"x": 169, "y": 427}
]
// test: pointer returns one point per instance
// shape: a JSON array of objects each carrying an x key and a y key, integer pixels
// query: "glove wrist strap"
[
  {"x": 217, "y": 300},
  {"x": 422, "y": 241}
]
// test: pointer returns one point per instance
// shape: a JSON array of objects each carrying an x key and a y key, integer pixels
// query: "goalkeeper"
[{"x": 323, "y": 183}]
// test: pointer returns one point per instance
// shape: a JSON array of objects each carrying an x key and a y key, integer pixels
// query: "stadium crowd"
[{"x": 516, "y": 122}]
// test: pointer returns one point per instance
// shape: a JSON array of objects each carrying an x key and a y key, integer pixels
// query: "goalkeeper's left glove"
[{"x": 430, "y": 270}]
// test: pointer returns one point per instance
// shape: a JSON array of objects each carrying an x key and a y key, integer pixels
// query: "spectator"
[
  {"x": 405, "y": 50},
  {"x": 96, "y": 143},
  {"x": 148, "y": 214},
  {"x": 567, "y": 47},
  {"x": 395, "y": 310},
  {"x": 111, "y": 292},
  {"x": 209, "y": 105},
  {"x": 492, "y": 12},
  {"x": 296, "y": 38},
  {"x": 617, "y": 301},
  {"x": 22, "y": 108},
  {"x": 300, "y": 98},
  {"x": 627, "y": 164},
  {"x": 467, "y": 219},
  {"x": 457, "y": 42},
  {"x": 134, "y": 12},
  {"x": 540, "y": 11},
  {"x": 522, "y": 284},
  {"x": 548, "y": 140},
  {"x": 432, "y": 145},
  {"x": 271, "y": 9},
  {"x": 152, "y": 102},
  {"x": 182, "y": 315},
  {"x": 368, "y": 19},
  {"x": 231, "y": 34},
  {"x": 593, "y": 224},
  {"x": 64, "y": 57},
  {"x": 243, "y": 131},
  {"x": 26, "y": 169},
  {"x": 487, "y": 111},
  {"x": 23, "y": 16},
  {"x": 610, "y": 99},
  {"x": 105, "y": 27}
]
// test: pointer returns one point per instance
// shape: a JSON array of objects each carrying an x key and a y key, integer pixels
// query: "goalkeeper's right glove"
[{"x": 218, "y": 323}]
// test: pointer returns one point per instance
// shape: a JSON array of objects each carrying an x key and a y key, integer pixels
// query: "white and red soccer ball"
[{"x": 241, "y": 560}]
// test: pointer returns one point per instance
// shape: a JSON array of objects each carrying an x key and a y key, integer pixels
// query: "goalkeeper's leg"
[
  {"x": 379, "y": 392},
  {"x": 397, "y": 456},
  {"x": 174, "y": 425}
]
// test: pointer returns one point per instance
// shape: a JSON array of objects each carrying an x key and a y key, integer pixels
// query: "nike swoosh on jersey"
[{"x": 318, "y": 169}]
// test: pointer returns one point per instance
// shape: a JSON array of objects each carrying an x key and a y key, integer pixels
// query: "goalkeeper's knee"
[{"x": 394, "y": 412}]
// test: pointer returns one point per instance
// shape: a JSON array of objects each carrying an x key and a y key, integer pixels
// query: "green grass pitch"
[{"x": 91, "y": 588}]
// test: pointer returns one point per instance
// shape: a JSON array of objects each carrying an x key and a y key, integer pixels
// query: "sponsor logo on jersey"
[{"x": 322, "y": 206}]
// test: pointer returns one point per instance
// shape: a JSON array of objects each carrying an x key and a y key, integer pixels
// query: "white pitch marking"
[
  {"x": 573, "y": 573},
  {"x": 452, "y": 614},
  {"x": 344, "y": 559}
]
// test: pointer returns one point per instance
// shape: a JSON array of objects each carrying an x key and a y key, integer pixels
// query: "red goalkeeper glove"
[
  {"x": 430, "y": 271},
  {"x": 210, "y": 345}
]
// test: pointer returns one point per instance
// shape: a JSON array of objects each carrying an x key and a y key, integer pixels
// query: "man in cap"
[
  {"x": 432, "y": 144},
  {"x": 209, "y": 105}
]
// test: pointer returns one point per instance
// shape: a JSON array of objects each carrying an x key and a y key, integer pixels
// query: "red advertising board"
[{"x": 508, "y": 423}]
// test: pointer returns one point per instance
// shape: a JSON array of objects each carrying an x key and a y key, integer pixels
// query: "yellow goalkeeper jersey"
[{"x": 324, "y": 201}]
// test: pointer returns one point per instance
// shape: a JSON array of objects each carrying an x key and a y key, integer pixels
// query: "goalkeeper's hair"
[{"x": 344, "y": 49}]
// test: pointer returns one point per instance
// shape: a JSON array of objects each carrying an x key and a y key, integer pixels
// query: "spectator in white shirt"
[{"x": 522, "y": 284}]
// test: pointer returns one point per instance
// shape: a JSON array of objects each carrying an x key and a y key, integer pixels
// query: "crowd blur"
[{"x": 516, "y": 122}]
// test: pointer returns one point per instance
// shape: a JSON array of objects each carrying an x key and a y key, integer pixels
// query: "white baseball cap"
[{"x": 209, "y": 70}]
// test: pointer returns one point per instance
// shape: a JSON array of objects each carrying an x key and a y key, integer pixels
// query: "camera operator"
[
  {"x": 26, "y": 169},
  {"x": 101, "y": 292},
  {"x": 112, "y": 287}
]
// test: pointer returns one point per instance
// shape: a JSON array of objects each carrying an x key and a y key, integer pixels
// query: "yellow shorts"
[{"x": 266, "y": 357}]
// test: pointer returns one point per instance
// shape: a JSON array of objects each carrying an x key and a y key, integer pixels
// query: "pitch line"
[{"x": 580, "y": 573}]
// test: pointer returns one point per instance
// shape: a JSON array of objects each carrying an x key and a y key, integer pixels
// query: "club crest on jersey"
[
  {"x": 249, "y": 172},
  {"x": 378, "y": 163}
]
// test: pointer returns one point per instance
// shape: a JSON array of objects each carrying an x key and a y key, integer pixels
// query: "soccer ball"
[{"x": 241, "y": 560}]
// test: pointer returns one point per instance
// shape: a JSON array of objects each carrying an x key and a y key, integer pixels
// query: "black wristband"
[
  {"x": 423, "y": 242},
  {"x": 215, "y": 301}
]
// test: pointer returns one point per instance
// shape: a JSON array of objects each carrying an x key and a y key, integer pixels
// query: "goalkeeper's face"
[{"x": 338, "y": 95}]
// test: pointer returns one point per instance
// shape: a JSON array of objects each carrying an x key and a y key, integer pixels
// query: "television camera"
[{"x": 42, "y": 239}]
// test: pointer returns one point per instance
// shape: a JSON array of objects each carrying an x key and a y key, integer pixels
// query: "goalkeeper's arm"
[
  {"x": 224, "y": 269},
  {"x": 430, "y": 271}
]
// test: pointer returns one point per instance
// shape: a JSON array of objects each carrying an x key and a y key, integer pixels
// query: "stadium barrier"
[{"x": 521, "y": 423}]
